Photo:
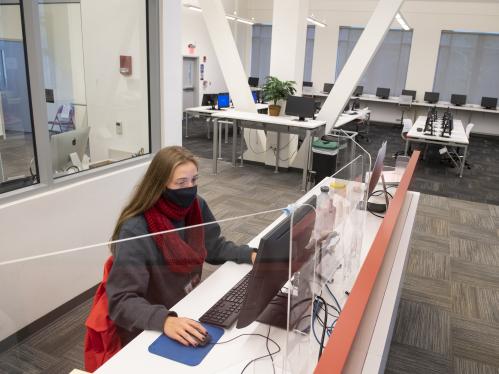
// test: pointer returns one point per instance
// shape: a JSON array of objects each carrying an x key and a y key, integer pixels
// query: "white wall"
[
  {"x": 80, "y": 214},
  {"x": 10, "y": 22},
  {"x": 112, "y": 28}
]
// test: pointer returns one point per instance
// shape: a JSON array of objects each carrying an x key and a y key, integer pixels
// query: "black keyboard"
[{"x": 225, "y": 312}]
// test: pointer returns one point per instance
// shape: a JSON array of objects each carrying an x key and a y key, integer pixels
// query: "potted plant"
[{"x": 275, "y": 90}]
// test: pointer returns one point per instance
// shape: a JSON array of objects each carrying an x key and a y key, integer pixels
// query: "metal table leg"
[
  {"x": 277, "y": 153},
  {"x": 186, "y": 125},
  {"x": 463, "y": 162},
  {"x": 406, "y": 147},
  {"x": 242, "y": 147},
  {"x": 307, "y": 159},
  {"x": 226, "y": 133},
  {"x": 219, "y": 141},
  {"x": 234, "y": 142},
  {"x": 215, "y": 145},
  {"x": 208, "y": 125}
]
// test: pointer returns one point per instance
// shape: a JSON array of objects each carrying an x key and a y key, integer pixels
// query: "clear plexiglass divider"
[
  {"x": 324, "y": 263},
  {"x": 187, "y": 270}
]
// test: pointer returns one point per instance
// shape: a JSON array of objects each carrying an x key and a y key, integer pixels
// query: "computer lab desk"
[{"x": 233, "y": 356}]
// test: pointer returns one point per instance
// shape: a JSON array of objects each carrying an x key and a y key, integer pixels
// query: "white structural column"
[
  {"x": 287, "y": 57},
  {"x": 232, "y": 70},
  {"x": 325, "y": 51},
  {"x": 359, "y": 60},
  {"x": 171, "y": 73}
]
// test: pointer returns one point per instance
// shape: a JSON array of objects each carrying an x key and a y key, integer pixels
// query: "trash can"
[{"x": 324, "y": 153}]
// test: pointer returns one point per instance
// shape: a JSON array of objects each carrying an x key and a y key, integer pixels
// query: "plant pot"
[{"x": 274, "y": 110}]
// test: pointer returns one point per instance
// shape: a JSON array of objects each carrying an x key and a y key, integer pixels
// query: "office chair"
[
  {"x": 362, "y": 126},
  {"x": 407, "y": 125},
  {"x": 405, "y": 104},
  {"x": 64, "y": 118},
  {"x": 454, "y": 155}
]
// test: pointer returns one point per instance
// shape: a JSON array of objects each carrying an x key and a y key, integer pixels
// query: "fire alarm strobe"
[{"x": 126, "y": 65}]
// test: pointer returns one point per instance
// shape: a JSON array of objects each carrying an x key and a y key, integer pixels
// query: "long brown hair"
[{"x": 152, "y": 185}]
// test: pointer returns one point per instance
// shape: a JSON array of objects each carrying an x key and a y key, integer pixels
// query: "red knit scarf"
[{"x": 181, "y": 255}]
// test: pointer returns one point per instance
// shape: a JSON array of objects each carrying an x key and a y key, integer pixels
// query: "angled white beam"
[{"x": 359, "y": 60}]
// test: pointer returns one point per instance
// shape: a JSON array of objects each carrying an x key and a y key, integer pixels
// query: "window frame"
[{"x": 39, "y": 118}]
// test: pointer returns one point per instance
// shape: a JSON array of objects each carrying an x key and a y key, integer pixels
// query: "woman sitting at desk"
[{"x": 151, "y": 274}]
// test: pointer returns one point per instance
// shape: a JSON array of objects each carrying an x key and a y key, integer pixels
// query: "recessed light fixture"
[
  {"x": 315, "y": 21},
  {"x": 402, "y": 22}
]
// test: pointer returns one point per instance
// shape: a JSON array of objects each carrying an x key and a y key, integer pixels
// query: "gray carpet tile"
[
  {"x": 429, "y": 264},
  {"x": 465, "y": 366},
  {"x": 475, "y": 302},
  {"x": 407, "y": 359}
]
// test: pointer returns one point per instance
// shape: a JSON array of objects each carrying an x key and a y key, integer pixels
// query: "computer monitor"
[
  {"x": 377, "y": 168},
  {"x": 382, "y": 92},
  {"x": 489, "y": 102},
  {"x": 409, "y": 93},
  {"x": 63, "y": 144},
  {"x": 223, "y": 100},
  {"x": 327, "y": 87},
  {"x": 307, "y": 84},
  {"x": 458, "y": 100},
  {"x": 263, "y": 301},
  {"x": 302, "y": 107},
  {"x": 256, "y": 95},
  {"x": 253, "y": 81},
  {"x": 431, "y": 97},
  {"x": 209, "y": 99},
  {"x": 358, "y": 91}
]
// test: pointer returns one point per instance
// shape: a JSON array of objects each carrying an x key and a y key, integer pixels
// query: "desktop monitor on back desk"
[
  {"x": 431, "y": 97},
  {"x": 256, "y": 96},
  {"x": 383, "y": 93},
  {"x": 209, "y": 100},
  {"x": 409, "y": 93},
  {"x": 307, "y": 84},
  {"x": 327, "y": 87},
  {"x": 64, "y": 144},
  {"x": 489, "y": 102},
  {"x": 302, "y": 107},
  {"x": 458, "y": 100},
  {"x": 223, "y": 100},
  {"x": 359, "y": 90},
  {"x": 253, "y": 81}
]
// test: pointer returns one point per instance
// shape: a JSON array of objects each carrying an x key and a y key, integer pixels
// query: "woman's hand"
[{"x": 184, "y": 330}]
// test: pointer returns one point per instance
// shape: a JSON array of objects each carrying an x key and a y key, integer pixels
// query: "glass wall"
[
  {"x": 468, "y": 64},
  {"x": 95, "y": 66},
  {"x": 389, "y": 66},
  {"x": 17, "y": 156}
]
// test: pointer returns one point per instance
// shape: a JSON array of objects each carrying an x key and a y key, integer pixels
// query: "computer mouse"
[
  {"x": 206, "y": 340},
  {"x": 419, "y": 129}
]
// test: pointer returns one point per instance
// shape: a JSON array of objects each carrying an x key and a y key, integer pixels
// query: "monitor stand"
[
  {"x": 276, "y": 312},
  {"x": 300, "y": 119}
]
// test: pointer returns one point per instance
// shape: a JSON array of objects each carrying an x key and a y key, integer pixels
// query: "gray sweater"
[{"x": 141, "y": 288}]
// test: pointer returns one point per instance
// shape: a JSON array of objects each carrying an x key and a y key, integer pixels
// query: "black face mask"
[{"x": 183, "y": 197}]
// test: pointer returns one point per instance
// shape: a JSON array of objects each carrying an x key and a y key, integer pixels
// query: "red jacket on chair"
[{"x": 101, "y": 339}]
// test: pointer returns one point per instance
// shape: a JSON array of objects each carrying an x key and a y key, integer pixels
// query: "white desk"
[
  {"x": 233, "y": 356},
  {"x": 345, "y": 118},
  {"x": 457, "y": 138},
  {"x": 284, "y": 124},
  {"x": 207, "y": 111}
]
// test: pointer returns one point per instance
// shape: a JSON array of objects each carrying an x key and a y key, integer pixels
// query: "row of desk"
[
  {"x": 259, "y": 121},
  {"x": 232, "y": 357}
]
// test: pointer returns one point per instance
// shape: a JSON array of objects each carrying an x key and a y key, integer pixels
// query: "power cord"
[
  {"x": 321, "y": 347},
  {"x": 267, "y": 339}
]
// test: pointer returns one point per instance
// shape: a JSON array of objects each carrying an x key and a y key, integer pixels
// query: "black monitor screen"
[
  {"x": 223, "y": 100},
  {"x": 253, "y": 81},
  {"x": 489, "y": 102},
  {"x": 255, "y": 95},
  {"x": 302, "y": 107},
  {"x": 358, "y": 91},
  {"x": 431, "y": 97},
  {"x": 458, "y": 99},
  {"x": 383, "y": 92},
  {"x": 409, "y": 93},
  {"x": 209, "y": 99},
  {"x": 328, "y": 87},
  {"x": 271, "y": 268},
  {"x": 307, "y": 84}
]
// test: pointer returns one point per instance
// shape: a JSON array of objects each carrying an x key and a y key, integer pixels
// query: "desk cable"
[{"x": 267, "y": 339}]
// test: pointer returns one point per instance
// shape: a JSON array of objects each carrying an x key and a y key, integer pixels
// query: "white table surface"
[
  {"x": 233, "y": 356},
  {"x": 345, "y": 118},
  {"x": 458, "y": 134},
  {"x": 265, "y": 118},
  {"x": 207, "y": 109}
]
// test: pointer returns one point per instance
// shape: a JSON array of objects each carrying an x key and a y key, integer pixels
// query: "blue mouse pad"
[{"x": 192, "y": 356}]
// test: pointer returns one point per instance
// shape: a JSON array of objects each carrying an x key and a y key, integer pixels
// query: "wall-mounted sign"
[{"x": 192, "y": 48}]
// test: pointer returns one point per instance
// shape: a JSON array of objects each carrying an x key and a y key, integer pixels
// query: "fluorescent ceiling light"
[
  {"x": 402, "y": 22},
  {"x": 195, "y": 8},
  {"x": 315, "y": 21},
  {"x": 230, "y": 17}
]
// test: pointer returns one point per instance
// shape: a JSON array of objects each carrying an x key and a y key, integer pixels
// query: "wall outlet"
[{"x": 119, "y": 128}]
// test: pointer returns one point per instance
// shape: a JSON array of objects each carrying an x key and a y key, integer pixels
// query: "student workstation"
[{"x": 249, "y": 186}]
